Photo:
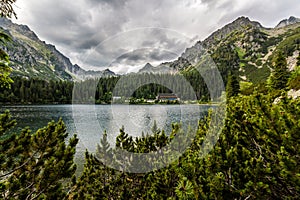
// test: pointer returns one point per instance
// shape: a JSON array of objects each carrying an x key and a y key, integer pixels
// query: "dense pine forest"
[{"x": 36, "y": 91}]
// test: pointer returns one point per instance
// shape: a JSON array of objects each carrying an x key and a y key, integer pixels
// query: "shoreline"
[{"x": 146, "y": 104}]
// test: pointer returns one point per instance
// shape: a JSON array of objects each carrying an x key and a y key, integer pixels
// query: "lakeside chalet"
[{"x": 167, "y": 97}]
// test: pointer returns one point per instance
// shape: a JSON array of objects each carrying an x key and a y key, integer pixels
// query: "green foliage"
[
  {"x": 102, "y": 90},
  {"x": 294, "y": 80},
  {"x": 6, "y": 123},
  {"x": 101, "y": 182},
  {"x": 5, "y": 70},
  {"x": 198, "y": 84},
  {"x": 256, "y": 157},
  {"x": 259, "y": 75},
  {"x": 257, "y": 132},
  {"x": 271, "y": 41},
  {"x": 34, "y": 165},
  {"x": 37, "y": 91},
  {"x": 6, "y": 8},
  {"x": 290, "y": 44},
  {"x": 246, "y": 88},
  {"x": 280, "y": 74},
  {"x": 226, "y": 59},
  {"x": 240, "y": 52},
  {"x": 184, "y": 189},
  {"x": 232, "y": 87}
]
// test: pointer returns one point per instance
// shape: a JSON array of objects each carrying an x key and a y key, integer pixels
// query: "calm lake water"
[{"x": 90, "y": 121}]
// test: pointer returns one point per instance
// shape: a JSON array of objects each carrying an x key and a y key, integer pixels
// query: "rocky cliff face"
[
  {"x": 148, "y": 68},
  {"x": 90, "y": 74},
  {"x": 193, "y": 54},
  {"x": 244, "y": 46},
  {"x": 286, "y": 22},
  {"x": 240, "y": 23},
  {"x": 163, "y": 68},
  {"x": 31, "y": 57}
]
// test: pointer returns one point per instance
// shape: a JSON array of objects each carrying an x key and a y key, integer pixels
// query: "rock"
[
  {"x": 294, "y": 94},
  {"x": 286, "y": 22}
]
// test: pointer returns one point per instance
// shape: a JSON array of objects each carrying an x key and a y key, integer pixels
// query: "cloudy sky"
[{"x": 126, "y": 34}]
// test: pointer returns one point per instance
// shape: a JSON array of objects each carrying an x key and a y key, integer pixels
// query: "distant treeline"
[{"x": 187, "y": 86}]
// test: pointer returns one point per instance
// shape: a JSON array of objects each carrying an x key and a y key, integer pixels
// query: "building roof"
[{"x": 167, "y": 96}]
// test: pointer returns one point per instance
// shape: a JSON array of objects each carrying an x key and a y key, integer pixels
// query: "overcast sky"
[{"x": 126, "y": 34}]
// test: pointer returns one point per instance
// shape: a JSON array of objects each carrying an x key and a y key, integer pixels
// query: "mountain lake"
[{"x": 90, "y": 121}]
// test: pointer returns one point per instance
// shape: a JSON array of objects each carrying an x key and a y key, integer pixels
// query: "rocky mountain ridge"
[
  {"x": 289, "y": 21},
  {"x": 31, "y": 57},
  {"x": 244, "y": 46},
  {"x": 163, "y": 68}
]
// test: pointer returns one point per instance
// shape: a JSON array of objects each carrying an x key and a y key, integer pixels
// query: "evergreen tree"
[
  {"x": 34, "y": 165},
  {"x": 5, "y": 70},
  {"x": 280, "y": 74},
  {"x": 233, "y": 86},
  {"x": 6, "y": 8},
  {"x": 256, "y": 157}
]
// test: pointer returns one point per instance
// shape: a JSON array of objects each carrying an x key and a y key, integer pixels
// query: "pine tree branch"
[
  {"x": 16, "y": 194},
  {"x": 3, "y": 175},
  {"x": 31, "y": 191},
  {"x": 48, "y": 185}
]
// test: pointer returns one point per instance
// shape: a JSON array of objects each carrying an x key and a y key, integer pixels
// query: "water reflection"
[{"x": 90, "y": 121}]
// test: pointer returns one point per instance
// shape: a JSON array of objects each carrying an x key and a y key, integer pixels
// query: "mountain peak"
[
  {"x": 242, "y": 18},
  {"x": 238, "y": 24},
  {"x": 22, "y": 29},
  {"x": 289, "y": 21},
  {"x": 148, "y": 65},
  {"x": 147, "y": 68},
  {"x": 32, "y": 57},
  {"x": 108, "y": 71},
  {"x": 244, "y": 21}
]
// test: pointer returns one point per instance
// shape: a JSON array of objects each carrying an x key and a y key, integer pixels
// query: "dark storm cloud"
[
  {"x": 142, "y": 55},
  {"x": 95, "y": 33},
  {"x": 162, "y": 55},
  {"x": 137, "y": 47},
  {"x": 136, "y": 55},
  {"x": 133, "y": 61}
]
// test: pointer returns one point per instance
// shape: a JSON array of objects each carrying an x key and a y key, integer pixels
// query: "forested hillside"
[{"x": 37, "y": 91}]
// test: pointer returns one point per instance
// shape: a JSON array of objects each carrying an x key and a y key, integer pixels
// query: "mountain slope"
[
  {"x": 286, "y": 22},
  {"x": 163, "y": 68},
  {"x": 245, "y": 47},
  {"x": 30, "y": 57}
]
